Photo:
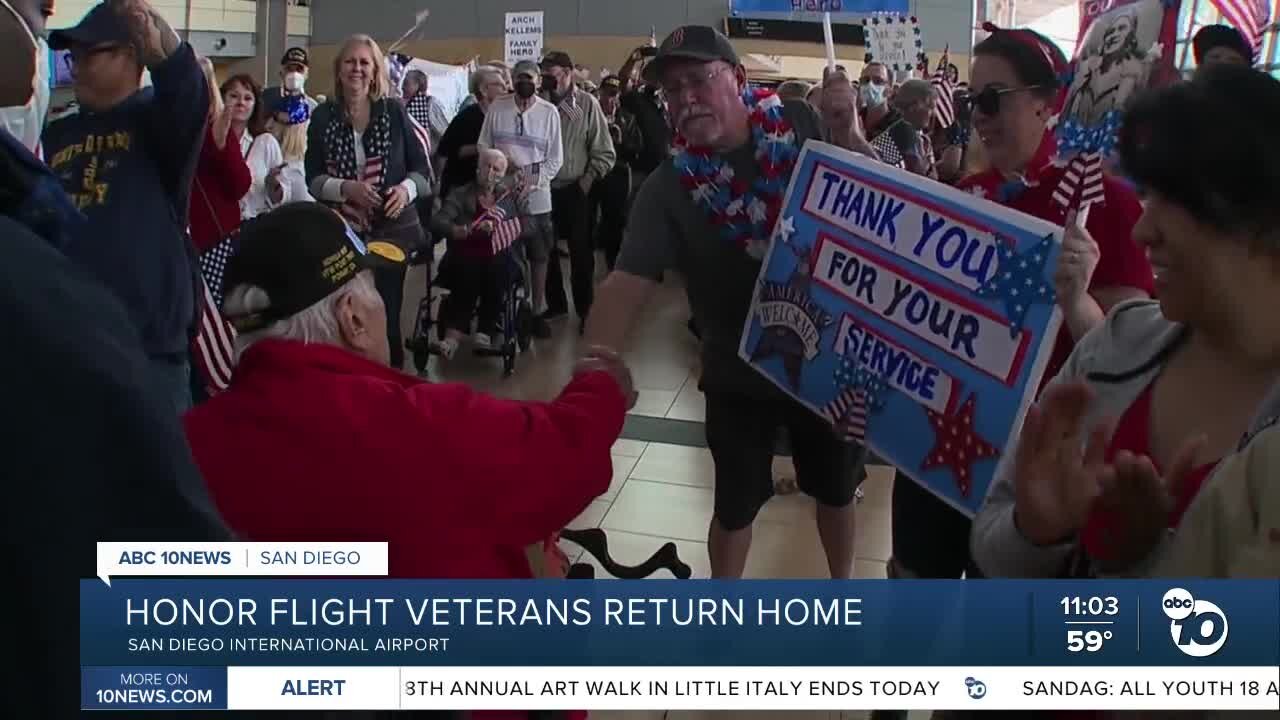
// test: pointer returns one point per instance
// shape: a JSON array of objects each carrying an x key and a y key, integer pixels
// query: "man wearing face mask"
[
  {"x": 294, "y": 68},
  {"x": 25, "y": 121},
  {"x": 887, "y": 131},
  {"x": 589, "y": 155},
  {"x": 526, "y": 129}
]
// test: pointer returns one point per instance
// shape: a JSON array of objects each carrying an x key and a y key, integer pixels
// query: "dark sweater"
[
  {"x": 129, "y": 171},
  {"x": 97, "y": 454},
  {"x": 463, "y": 131}
]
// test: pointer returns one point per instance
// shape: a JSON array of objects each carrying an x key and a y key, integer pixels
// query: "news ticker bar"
[{"x": 687, "y": 688}]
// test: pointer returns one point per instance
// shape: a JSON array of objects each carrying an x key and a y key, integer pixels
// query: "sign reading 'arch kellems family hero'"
[{"x": 910, "y": 315}]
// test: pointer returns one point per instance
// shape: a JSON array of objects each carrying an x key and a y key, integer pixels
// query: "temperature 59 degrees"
[{"x": 1086, "y": 640}]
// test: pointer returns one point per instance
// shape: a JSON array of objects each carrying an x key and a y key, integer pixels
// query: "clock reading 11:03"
[{"x": 1077, "y": 606}]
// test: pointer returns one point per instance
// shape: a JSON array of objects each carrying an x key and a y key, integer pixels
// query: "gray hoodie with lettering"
[{"x": 1118, "y": 361}]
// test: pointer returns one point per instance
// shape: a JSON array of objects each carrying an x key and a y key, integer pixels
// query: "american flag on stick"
[
  {"x": 944, "y": 110},
  {"x": 506, "y": 227},
  {"x": 1250, "y": 17},
  {"x": 215, "y": 343},
  {"x": 848, "y": 412}
]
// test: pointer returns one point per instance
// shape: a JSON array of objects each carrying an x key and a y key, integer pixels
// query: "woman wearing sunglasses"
[
  {"x": 1015, "y": 91},
  {"x": 1136, "y": 423}
]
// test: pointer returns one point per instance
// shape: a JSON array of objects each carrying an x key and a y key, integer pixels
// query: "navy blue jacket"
[{"x": 129, "y": 170}]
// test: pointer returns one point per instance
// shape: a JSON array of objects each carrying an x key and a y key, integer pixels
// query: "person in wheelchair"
[{"x": 481, "y": 223}]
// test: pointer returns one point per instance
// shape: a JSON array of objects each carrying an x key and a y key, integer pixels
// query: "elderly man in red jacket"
[{"x": 318, "y": 439}]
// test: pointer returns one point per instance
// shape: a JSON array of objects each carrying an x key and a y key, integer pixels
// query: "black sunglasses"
[{"x": 988, "y": 101}]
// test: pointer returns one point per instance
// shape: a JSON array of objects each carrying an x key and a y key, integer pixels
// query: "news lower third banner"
[{"x": 260, "y": 644}]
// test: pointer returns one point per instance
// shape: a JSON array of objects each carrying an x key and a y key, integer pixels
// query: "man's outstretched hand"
[
  {"x": 152, "y": 36},
  {"x": 600, "y": 359}
]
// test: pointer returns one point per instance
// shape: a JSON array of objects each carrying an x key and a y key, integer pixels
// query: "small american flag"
[
  {"x": 215, "y": 338},
  {"x": 506, "y": 228},
  {"x": 944, "y": 110},
  {"x": 848, "y": 412},
  {"x": 1249, "y": 16},
  {"x": 888, "y": 149},
  {"x": 424, "y": 137},
  {"x": 1082, "y": 183}
]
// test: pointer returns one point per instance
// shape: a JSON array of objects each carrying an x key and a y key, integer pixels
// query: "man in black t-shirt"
[{"x": 703, "y": 82}]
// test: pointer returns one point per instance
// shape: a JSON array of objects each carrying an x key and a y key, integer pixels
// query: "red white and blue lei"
[{"x": 745, "y": 213}]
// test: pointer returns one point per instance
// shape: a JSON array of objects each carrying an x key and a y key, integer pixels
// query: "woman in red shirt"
[
  {"x": 222, "y": 177},
  {"x": 1180, "y": 379},
  {"x": 1016, "y": 86}
]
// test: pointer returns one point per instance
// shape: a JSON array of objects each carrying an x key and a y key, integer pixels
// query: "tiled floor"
[{"x": 662, "y": 493}]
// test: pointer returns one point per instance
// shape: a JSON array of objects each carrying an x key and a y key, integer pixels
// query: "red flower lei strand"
[{"x": 744, "y": 213}]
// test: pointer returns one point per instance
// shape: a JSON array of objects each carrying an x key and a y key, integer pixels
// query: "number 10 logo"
[{"x": 1198, "y": 627}]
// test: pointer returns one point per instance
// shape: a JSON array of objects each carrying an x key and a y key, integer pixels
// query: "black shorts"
[
  {"x": 930, "y": 538},
  {"x": 742, "y": 433}
]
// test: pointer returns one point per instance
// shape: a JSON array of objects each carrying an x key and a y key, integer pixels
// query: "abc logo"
[
  {"x": 977, "y": 689},
  {"x": 1198, "y": 627}
]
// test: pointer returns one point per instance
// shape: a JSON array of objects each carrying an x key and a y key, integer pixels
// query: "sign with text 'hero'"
[
  {"x": 524, "y": 34},
  {"x": 910, "y": 315}
]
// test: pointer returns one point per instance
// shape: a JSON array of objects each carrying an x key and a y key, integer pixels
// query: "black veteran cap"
[
  {"x": 100, "y": 26},
  {"x": 611, "y": 85},
  {"x": 699, "y": 43},
  {"x": 295, "y": 56},
  {"x": 299, "y": 254}
]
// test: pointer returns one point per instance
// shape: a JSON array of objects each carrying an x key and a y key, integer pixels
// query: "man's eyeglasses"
[
  {"x": 988, "y": 101},
  {"x": 697, "y": 81}
]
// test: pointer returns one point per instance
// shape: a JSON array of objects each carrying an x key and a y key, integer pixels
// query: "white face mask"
[
  {"x": 26, "y": 122},
  {"x": 294, "y": 81}
]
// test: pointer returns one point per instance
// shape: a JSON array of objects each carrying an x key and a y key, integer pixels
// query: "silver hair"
[
  {"x": 316, "y": 325},
  {"x": 913, "y": 91},
  {"x": 485, "y": 74},
  {"x": 417, "y": 76},
  {"x": 794, "y": 90}
]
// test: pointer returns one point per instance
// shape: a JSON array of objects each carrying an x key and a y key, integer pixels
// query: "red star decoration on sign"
[{"x": 957, "y": 444}]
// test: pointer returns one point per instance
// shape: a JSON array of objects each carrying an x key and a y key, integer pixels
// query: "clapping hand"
[
  {"x": 1055, "y": 481},
  {"x": 1141, "y": 502},
  {"x": 361, "y": 195},
  {"x": 221, "y": 127},
  {"x": 397, "y": 200}
]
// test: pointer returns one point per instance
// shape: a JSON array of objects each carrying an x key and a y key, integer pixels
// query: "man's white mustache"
[{"x": 690, "y": 111}]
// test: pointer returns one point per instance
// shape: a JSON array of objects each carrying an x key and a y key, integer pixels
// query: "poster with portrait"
[
  {"x": 912, "y": 316},
  {"x": 1123, "y": 48}
]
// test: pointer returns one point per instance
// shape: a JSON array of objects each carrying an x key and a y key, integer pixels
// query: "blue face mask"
[{"x": 872, "y": 95}]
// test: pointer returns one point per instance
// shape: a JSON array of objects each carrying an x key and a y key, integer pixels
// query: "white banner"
[
  {"x": 753, "y": 688},
  {"x": 523, "y": 37}
]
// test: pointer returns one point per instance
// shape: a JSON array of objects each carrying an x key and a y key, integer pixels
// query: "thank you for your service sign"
[{"x": 910, "y": 315}]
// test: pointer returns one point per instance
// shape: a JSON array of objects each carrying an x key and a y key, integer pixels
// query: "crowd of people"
[{"x": 156, "y": 221}]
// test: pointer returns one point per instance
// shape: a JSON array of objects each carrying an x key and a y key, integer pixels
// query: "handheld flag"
[
  {"x": 944, "y": 110},
  {"x": 828, "y": 38}
]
